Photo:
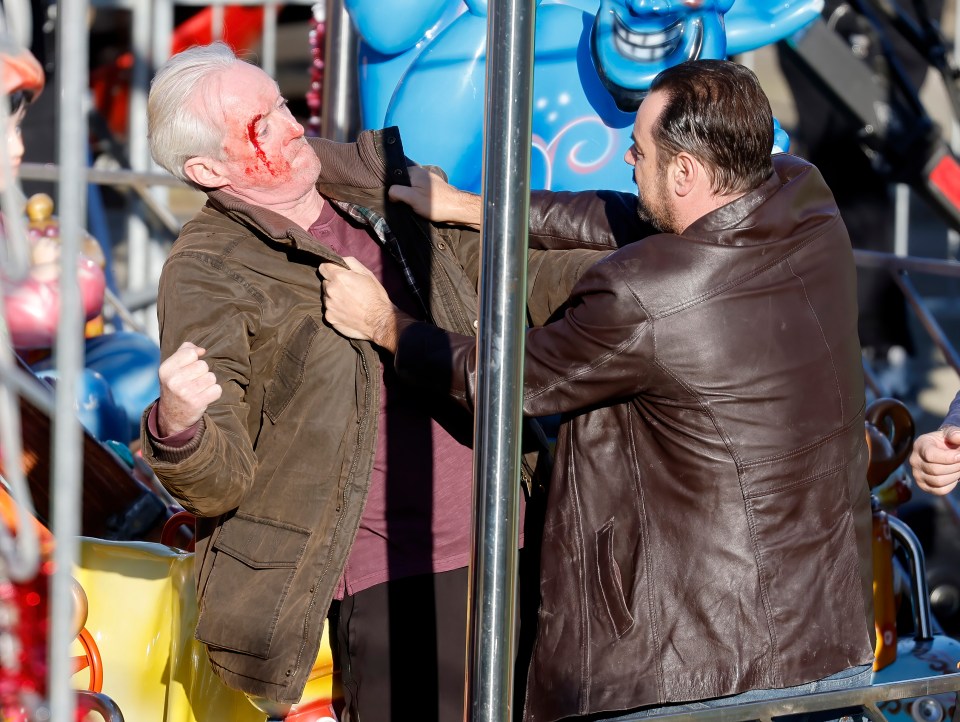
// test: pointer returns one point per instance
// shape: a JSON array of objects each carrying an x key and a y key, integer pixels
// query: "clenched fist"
[
  {"x": 936, "y": 460},
  {"x": 187, "y": 388}
]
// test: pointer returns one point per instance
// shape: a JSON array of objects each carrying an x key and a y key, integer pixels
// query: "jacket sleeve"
[
  {"x": 551, "y": 278},
  {"x": 199, "y": 304},
  {"x": 585, "y": 219},
  {"x": 593, "y": 353},
  {"x": 953, "y": 414},
  {"x": 551, "y": 275}
]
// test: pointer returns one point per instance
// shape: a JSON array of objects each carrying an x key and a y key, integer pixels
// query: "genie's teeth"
[{"x": 648, "y": 46}]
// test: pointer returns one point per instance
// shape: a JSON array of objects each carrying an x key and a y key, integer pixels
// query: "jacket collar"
[{"x": 754, "y": 217}]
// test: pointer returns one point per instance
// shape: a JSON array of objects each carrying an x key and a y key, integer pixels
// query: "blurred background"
[{"x": 879, "y": 120}]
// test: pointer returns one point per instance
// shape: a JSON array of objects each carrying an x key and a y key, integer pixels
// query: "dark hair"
[
  {"x": 19, "y": 99},
  {"x": 716, "y": 111}
]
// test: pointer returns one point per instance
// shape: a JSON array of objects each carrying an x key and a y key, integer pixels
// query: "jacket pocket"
[
  {"x": 253, "y": 566},
  {"x": 288, "y": 374},
  {"x": 611, "y": 585}
]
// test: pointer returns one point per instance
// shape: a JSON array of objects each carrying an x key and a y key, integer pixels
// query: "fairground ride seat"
[
  {"x": 142, "y": 613},
  {"x": 902, "y": 653}
]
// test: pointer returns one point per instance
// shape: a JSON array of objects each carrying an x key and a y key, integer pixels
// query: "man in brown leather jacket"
[
  {"x": 313, "y": 471},
  {"x": 708, "y": 526}
]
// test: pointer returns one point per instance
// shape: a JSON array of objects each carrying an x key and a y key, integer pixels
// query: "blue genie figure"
[
  {"x": 633, "y": 40},
  {"x": 422, "y": 68}
]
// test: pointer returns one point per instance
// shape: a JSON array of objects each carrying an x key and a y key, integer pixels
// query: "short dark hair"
[
  {"x": 716, "y": 111},
  {"x": 19, "y": 99}
]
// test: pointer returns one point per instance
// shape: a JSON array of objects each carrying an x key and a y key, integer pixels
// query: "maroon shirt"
[{"x": 418, "y": 515}]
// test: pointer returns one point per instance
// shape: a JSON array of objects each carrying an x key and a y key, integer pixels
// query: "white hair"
[{"x": 175, "y": 130}]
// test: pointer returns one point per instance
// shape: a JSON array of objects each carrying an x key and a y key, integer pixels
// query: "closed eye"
[{"x": 265, "y": 125}]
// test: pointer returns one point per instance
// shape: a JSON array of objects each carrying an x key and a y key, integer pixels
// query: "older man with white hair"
[{"x": 314, "y": 472}]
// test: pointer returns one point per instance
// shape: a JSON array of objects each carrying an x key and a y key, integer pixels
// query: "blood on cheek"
[{"x": 278, "y": 168}]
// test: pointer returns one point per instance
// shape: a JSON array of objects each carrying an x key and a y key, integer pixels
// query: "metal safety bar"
[
  {"x": 96, "y": 702},
  {"x": 900, "y": 267},
  {"x": 868, "y": 698},
  {"x": 923, "y": 618}
]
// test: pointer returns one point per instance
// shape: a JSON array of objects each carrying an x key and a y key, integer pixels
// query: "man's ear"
[
  {"x": 205, "y": 172},
  {"x": 685, "y": 172}
]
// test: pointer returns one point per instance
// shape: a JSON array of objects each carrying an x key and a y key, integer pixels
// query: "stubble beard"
[{"x": 658, "y": 212}]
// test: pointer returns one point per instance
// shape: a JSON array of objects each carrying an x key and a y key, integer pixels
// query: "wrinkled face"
[
  {"x": 655, "y": 203},
  {"x": 15, "y": 148},
  {"x": 633, "y": 40},
  {"x": 266, "y": 158}
]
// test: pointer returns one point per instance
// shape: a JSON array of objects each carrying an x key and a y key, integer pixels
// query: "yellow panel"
[{"x": 143, "y": 611}]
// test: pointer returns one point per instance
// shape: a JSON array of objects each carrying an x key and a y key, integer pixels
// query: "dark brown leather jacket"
[
  {"x": 278, "y": 475},
  {"x": 708, "y": 525}
]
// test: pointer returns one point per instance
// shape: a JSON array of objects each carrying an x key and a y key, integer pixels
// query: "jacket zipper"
[{"x": 361, "y": 431}]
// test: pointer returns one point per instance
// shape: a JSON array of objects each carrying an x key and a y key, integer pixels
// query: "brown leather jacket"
[
  {"x": 708, "y": 524},
  {"x": 278, "y": 475}
]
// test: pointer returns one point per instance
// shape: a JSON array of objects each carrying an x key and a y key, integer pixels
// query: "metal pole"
[
  {"x": 506, "y": 203},
  {"x": 67, "y": 477},
  {"x": 268, "y": 43},
  {"x": 918, "y": 578},
  {"x": 341, "y": 110}
]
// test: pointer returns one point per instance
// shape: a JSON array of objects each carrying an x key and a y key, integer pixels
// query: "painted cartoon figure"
[
  {"x": 424, "y": 71},
  {"x": 633, "y": 40},
  {"x": 120, "y": 374}
]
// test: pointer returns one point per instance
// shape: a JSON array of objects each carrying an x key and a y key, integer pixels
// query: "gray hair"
[{"x": 175, "y": 131}]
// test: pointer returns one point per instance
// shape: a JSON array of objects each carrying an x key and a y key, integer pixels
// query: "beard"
[
  {"x": 654, "y": 207},
  {"x": 657, "y": 211}
]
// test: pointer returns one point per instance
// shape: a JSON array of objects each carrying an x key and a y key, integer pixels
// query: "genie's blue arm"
[
  {"x": 407, "y": 21},
  {"x": 754, "y": 23}
]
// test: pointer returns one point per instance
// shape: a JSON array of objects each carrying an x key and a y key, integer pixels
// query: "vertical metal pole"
[
  {"x": 506, "y": 203},
  {"x": 953, "y": 238},
  {"x": 139, "y": 272},
  {"x": 901, "y": 220},
  {"x": 341, "y": 109},
  {"x": 67, "y": 476},
  {"x": 268, "y": 42},
  {"x": 216, "y": 20}
]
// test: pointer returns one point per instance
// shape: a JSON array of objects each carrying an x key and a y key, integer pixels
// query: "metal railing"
[
  {"x": 900, "y": 268},
  {"x": 867, "y": 699}
]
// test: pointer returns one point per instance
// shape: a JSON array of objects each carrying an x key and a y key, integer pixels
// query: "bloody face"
[{"x": 266, "y": 158}]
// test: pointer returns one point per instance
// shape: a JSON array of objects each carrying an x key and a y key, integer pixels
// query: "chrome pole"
[
  {"x": 920, "y": 593},
  {"x": 500, "y": 343},
  {"x": 341, "y": 110},
  {"x": 67, "y": 477}
]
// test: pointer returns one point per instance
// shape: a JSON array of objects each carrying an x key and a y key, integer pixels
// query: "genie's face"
[{"x": 633, "y": 40}]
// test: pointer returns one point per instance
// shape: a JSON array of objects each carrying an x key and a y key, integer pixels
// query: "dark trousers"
[{"x": 401, "y": 646}]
